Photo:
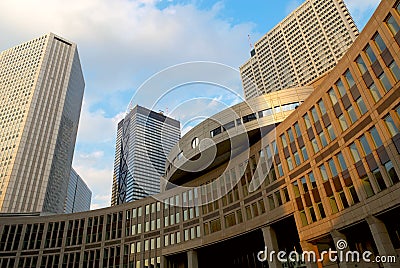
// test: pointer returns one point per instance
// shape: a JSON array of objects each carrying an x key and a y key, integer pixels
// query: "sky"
[{"x": 130, "y": 48}]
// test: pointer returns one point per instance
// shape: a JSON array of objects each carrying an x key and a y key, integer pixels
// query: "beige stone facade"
[{"x": 309, "y": 42}]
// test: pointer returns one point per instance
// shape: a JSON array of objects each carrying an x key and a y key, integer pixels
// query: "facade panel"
[
  {"x": 144, "y": 139},
  {"x": 306, "y": 44},
  {"x": 42, "y": 89}
]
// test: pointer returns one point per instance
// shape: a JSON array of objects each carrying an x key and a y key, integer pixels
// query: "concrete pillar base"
[
  {"x": 382, "y": 240},
  {"x": 192, "y": 259},
  {"x": 271, "y": 244}
]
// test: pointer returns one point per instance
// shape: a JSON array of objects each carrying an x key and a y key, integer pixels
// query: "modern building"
[
  {"x": 144, "y": 139},
  {"x": 324, "y": 175},
  {"x": 79, "y": 195},
  {"x": 41, "y": 89},
  {"x": 309, "y": 42}
]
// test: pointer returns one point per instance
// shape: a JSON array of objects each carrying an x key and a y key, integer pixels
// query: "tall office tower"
[
  {"x": 79, "y": 195},
  {"x": 303, "y": 46},
  {"x": 41, "y": 90},
  {"x": 144, "y": 139}
]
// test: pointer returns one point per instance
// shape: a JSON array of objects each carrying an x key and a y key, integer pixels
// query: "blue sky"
[{"x": 122, "y": 43}]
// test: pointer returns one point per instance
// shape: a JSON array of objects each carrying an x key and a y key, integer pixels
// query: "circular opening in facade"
[{"x": 195, "y": 142}]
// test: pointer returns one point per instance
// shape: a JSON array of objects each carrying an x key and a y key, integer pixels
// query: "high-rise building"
[
  {"x": 78, "y": 195},
  {"x": 303, "y": 46},
  {"x": 144, "y": 139},
  {"x": 41, "y": 90}
]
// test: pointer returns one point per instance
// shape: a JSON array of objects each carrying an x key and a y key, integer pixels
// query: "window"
[
  {"x": 314, "y": 114},
  {"x": 342, "y": 121},
  {"x": 323, "y": 139},
  {"x": 285, "y": 195},
  {"x": 352, "y": 114},
  {"x": 340, "y": 87},
  {"x": 297, "y": 158},
  {"x": 215, "y": 132},
  {"x": 343, "y": 198},
  {"x": 321, "y": 106},
  {"x": 278, "y": 198},
  {"x": 321, "y": 210},
  {"x": 195, "y": 142},
  {"x": 375, "y": 92},
  {"x": 304, "y": 153},
  {"x": 367, "y": 186},
  {"x": 315, "y": 145},
  {"x": 266, "y": 112},
  {"x": 394, "y": 178},
  {"x": 304, "y": 184},
  {"x": 268, "y": 150},
  {"x": 249, "y": 118},
  {"x": 370, "y": 54},
  {"x": 303, "y": 218},
  {"x": 342, "y": 163},
  {"x": 312, "y": 180},
  {"x": 354, "y": 152},
  {"x": 353, "y": 194},
  {"x": 331, "y": 132},
  {"x": 349, "y": 78},
  {"x": 280, "y": 170},
  {"x": 385, "y": 82},
  {"x": 289, "y": 163},
  {"x": 307, "y": 120},
  {"x": 375, "y": 137},
  {"x": 271, "y": 202},
  {"x": 332, "y": 202},
  {"x": 297, "y": 129},
  {"x": 332, "y": 96},
  {"x": 361, "y": 105},
  {"x": 332, "y": 167},
  {"x": 365, "y": 145},
  {"x": 361, "y": 65},
  {"x": 379, "y": 42},
  {"x": 283, "y": 139},
  {"x": 290, "y": 134},
  {"x": 393, "y": 130},
  {"x": 324, "y": 174},
  {"x": 312, "y": 214},
  {"x": 228, "y": 126},
  {"x": 379, "y": 179},
  {"x": 392, "y": 24},
  {"x": 395, "y": 70},
  {"x": 296, "y": 189}
]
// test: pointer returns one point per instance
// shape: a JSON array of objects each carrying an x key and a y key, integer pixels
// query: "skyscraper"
[
  {"x": 303, "y": 46},
  {"x": 78, "y": 195},
  {"x": 144, "y": 139},
  {"x": 41, "y": 90}
]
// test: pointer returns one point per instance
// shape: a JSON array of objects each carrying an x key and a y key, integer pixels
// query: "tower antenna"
[{"x": 249, "y": 39}]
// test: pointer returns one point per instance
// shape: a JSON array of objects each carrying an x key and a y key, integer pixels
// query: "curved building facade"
[{"x": 326, "y": 172}]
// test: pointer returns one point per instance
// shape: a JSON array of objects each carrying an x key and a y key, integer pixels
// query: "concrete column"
[
  {"x": 338, "y": 238},
  {"x": 271, "y": 244},
  {"x": 164, "y": 262},
  {"x": 306, "y": 246},
  {"x": 192, "y": 259},
  {"x": 382, "y": 239}
]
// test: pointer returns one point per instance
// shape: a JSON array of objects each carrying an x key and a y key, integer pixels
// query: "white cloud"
[
  {"x": 361, "y": 10},
  {"x": 123, "y": 42},
  {"x": 99, "y": 180},
  {"x": 95, "y": 127},
  {"x": 292, "y": 5}
]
